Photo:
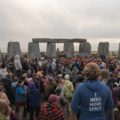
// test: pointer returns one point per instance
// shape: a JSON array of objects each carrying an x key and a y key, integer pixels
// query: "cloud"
[{"x": 21, "y": 20}]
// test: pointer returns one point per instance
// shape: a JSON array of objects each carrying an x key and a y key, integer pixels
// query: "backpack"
[{"x": 20, "y": 96}]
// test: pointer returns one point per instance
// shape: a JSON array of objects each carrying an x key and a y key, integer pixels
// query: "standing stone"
[
  {"x": 51, "y": 49},
  {"x": 33, "y": 50},
  {"x": 10, "y": 50},
  {"x": 69, "y": 49},
  {"x": 17, "y": 49},
  {"x": 119, "y": 51},
  {"x": 103, "y": 49},
  {"x": 13, "y": 49},
  {"x": 85, "y": 49},
  {"x": 0, "y": 57}
]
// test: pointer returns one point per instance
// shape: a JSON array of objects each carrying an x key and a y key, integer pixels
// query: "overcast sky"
[{"x": 95, "y": 20}]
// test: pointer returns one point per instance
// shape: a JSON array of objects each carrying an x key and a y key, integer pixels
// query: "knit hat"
[
  {"x": 53, "y": 98},
  {"x": 67, "y": 77}
]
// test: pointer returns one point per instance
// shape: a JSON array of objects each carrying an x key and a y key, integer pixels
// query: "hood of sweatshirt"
[
  {"x": 17, "y": 57},
  {"x": 93, "y": 86}
]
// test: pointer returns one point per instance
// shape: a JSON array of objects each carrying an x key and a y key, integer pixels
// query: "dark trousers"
[
  {"x": 33, "y": 110},
  {"x": 77, "y": 117},
  {"x": 18, "y": 73}
]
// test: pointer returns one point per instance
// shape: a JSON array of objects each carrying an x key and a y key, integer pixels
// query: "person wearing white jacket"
[{"x": 18, "y": 65}]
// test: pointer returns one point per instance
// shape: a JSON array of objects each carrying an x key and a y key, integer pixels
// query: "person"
[
  {"x": 51, "y": 108},
  {"x": 78, "y": 81},
  {"x": 69, "y": 89},
  {"x": 20, "y": 98},
  {"x": 60, "y": 86},
  {"x": 115, "y": 92},
  {"x": 77, "y": 64},
  {"x": 53, "y": 65},
  {"x": 92, "y": 100},
  {"x": 7, "y": 81},
  {"x": 4, "y": 110},
  {"x": 2, "y": 94},
  {"x": 18, "y": 65},
  {"x": 74, "y": 74},
  {"x": 3, "y": 70},
  {"x": 104, "y": 76},
  {"x": 102, "y": 65},
  {"x": 33, "y": 95}
]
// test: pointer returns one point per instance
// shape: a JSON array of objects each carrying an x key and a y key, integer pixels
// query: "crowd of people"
[{"x": 79, "y": 88}]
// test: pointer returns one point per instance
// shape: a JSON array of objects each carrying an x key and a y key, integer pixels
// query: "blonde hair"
[
  {"x": 92, "y": 70},
  {"x": 4, "y": 108},
  {"x": 105, "y": 74}
]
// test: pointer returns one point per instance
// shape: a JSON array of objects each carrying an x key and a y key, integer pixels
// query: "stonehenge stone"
[
  {"x": 85, "y": 49},
  {"x": 57, "y": 40},
  {"x": 17, "y": 49},
  {"x": 13, "y": 49},
  {"x": 33, "y": 50},
  {"x": 103, "y": 49},
  {"x": 69, "y": 49},
  {"x": 10, "y": 50},
  {"x": 51, "y": 49},
  {"x": 0, "y": 57},
  {"x": 119, "y": 51}
]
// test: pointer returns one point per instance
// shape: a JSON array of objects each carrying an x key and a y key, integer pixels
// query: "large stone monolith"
[
  {"x": 69, "y": 49},
  {"x": 13, "y": 49},
  {"x": 51, "y": 49},
  {"x": 119, "y": 51},
  {"x": 103, "y": 49},
  {"x": 85, "y": 49},
  {"x": 33, "y": 50}
]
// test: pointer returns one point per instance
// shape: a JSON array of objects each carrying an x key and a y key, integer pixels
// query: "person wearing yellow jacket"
[{"x": 69, "y": 89}]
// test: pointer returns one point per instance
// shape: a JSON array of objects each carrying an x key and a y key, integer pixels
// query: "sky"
[{"x": 95, "y": 20}]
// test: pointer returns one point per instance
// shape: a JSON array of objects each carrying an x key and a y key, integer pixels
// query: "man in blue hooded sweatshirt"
[{"x": 92, "y": 100}]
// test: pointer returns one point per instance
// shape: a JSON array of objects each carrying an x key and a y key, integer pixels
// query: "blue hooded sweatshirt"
[{"x": 91, "y": 100}]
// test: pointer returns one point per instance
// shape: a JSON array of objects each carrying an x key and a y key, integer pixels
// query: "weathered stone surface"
[
  {"x": 13, "y": 49},
  {"x": 85, "y": 49},
  {"x": 33, "y": 50},
  {"x": 78, "y": 40},
  {"x": 51, "y": 49},
  {"x": 69, "y": 49},
  {"x": 103, "y": 49},
  {"x": 119, "y": 51},
  {"x": 10, "y": 50},
  {"x": 57, "y": 40},
  {"x": 17, "y": 48},
  {"x": 0, "y": 57}
]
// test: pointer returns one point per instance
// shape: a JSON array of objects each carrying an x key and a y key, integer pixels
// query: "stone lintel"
[{"x": 58, "y": 40}]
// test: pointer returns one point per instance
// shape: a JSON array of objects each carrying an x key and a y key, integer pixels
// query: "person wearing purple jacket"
[{"x": 92, "y": 100}]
